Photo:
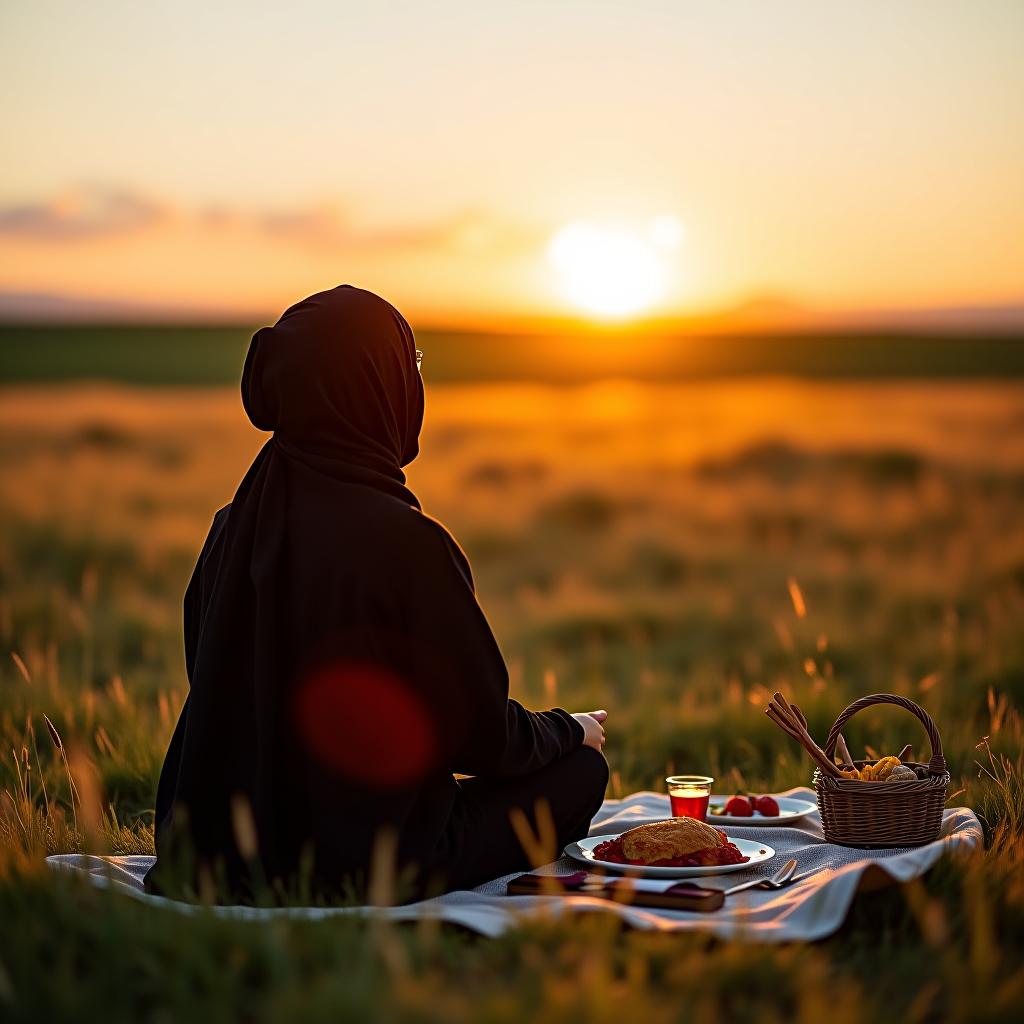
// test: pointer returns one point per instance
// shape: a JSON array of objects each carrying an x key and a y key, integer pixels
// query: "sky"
[{"x": 474, "y": 161}]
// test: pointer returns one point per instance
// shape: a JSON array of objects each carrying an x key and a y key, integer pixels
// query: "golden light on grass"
[
  {"x": 243, "y": 825},
  {"x": 21, "y": 666},
  {"x": 550, "y": 686},
  {"x": 797, "y": 597},
  {"x": 540, "y": 845}
]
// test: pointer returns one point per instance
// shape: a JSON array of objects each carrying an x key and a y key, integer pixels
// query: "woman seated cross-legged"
[{"x": 342, "y": 674}]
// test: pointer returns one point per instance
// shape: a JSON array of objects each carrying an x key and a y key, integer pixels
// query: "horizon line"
[{"x": 756, "y": 316}]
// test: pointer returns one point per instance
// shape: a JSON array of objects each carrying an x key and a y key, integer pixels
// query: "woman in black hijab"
[{"x": 340, "y": 667}]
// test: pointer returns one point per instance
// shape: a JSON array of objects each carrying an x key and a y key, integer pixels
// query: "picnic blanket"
[{"x": 810, "y": 909}]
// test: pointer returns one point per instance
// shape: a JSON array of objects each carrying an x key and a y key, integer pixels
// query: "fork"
[{"x": 779, "y": 880}]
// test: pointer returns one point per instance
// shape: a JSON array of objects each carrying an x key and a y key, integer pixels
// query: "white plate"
[
  {"x": 583, "y": 851},
  {"x": 789, "y": 811}
]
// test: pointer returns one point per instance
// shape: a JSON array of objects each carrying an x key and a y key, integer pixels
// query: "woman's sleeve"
[{"x": 461, "y": 673}]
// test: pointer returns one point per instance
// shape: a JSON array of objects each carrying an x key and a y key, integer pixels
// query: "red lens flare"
[{"x": 366, "y": 724}]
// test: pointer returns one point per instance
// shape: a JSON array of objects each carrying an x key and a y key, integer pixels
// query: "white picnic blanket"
[{"x": 811, "y": 909}]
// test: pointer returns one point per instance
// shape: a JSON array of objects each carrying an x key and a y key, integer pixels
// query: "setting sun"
[{"x": 611, "y": 271}]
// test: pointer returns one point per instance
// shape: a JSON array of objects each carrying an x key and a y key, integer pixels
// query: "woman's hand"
[{"x": 593, "y": 730}]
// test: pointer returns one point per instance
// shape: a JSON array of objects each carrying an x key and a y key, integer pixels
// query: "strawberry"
[
  {"x": 739, "y": 807},
  {"x": 767, "y": 806}
]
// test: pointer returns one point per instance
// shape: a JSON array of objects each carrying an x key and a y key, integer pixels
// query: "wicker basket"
[{"x": 868, "y": 814}]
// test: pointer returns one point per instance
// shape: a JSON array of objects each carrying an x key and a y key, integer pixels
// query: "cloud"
[
  {"x": 83, "y": 213},
  {"x": 329, "y": 227},
  {"x": 318, "y": 226},
  {"x": 93, "y": 212}
]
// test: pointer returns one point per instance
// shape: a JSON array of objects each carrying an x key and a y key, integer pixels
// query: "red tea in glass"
[
  {"x": 689, "y": 795},
  {"x": 687, "y": 806}
]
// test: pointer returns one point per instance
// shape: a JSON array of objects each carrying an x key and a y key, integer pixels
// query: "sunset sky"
[{"x": 475, "y": 161}]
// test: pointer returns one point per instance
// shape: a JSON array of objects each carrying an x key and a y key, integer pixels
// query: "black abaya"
[{"x": 340, "y": 667}]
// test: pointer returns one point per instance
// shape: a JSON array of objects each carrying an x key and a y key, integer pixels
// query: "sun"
[{"x": 613, "y": 272}]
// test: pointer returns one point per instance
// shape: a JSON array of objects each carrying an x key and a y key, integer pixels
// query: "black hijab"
[
  {"x": 356, "y": 417},
  {"x": 340, "y": 668}
]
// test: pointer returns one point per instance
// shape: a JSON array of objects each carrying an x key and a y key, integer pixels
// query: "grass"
[
  {"x": 161, "y": 355},
  {"x": 671, "y": 552}
]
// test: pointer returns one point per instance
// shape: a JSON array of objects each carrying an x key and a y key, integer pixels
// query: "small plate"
[
  {"x": 583, "y": 851},
  {"x": 789, "y": 811}
]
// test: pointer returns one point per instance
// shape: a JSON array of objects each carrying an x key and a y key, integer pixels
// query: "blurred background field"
[{"x": 672, "y": 551}]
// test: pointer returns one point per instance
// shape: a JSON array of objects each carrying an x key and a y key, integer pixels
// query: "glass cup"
[{"x": 689, "y": 795}]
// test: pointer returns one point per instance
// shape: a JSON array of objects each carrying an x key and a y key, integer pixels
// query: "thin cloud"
[
  {"x": 321, "y": 227},
  {"x": 97, "y": 212},
  {"x": 327, "y": 227},
  {"x": 84, "y": 213}
]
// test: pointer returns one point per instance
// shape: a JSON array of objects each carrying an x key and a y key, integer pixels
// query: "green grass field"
[
  {"x": 155, "y": 355},
  {"x": 637, "y": 546}
]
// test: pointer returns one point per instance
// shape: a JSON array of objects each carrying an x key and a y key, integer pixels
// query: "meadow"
[
  {"x": 671, "y": 551},
  {"x": 159, "y": 355}
]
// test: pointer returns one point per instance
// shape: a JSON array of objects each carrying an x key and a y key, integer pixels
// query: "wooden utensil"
[
  {"x": 805, "y": 732},
  {"x": 791, "y": 720}
]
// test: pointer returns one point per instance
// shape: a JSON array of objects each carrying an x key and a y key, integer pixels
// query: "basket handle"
[{"x": 937, "y": 764}]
